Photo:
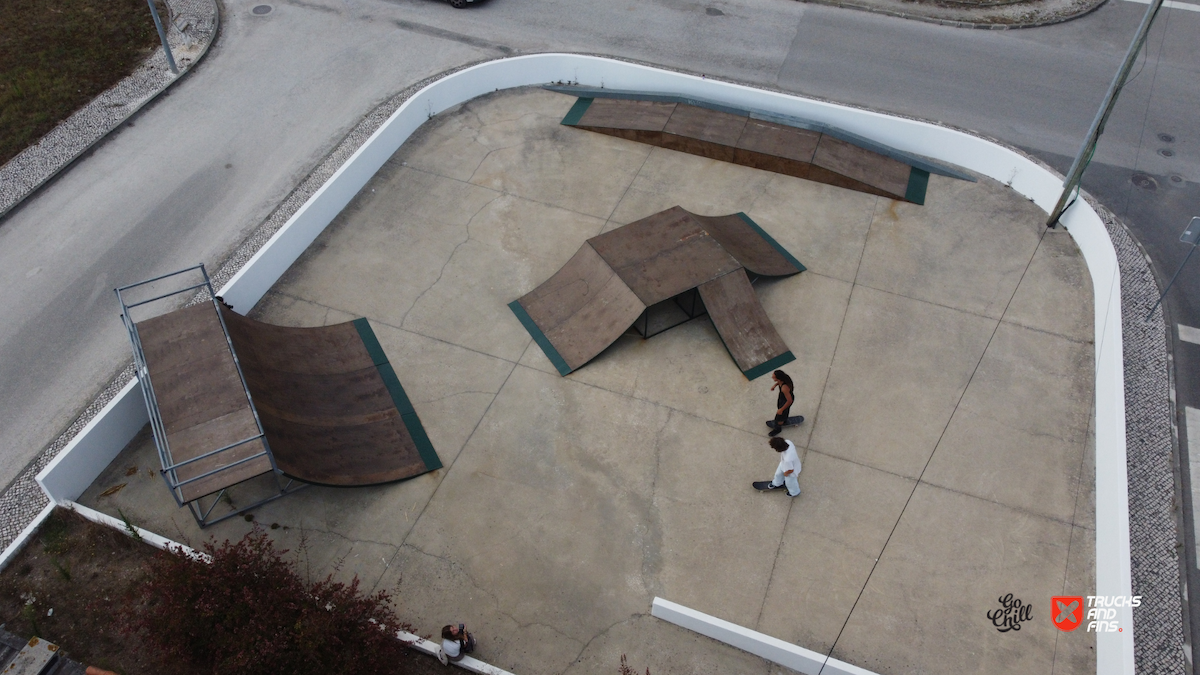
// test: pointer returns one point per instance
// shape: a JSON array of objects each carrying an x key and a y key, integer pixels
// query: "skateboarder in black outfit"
[{"x": 784, "y": 403}]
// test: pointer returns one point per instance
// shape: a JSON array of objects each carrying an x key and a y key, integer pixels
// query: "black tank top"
[{"x": 782, "y": 398}]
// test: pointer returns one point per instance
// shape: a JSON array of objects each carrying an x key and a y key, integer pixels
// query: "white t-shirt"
[
  {"x": 789, "y": 460},
  {"x": 451, "y": 647}
]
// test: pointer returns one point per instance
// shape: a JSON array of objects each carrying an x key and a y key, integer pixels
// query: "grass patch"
[{"x": 56, "y": 55}]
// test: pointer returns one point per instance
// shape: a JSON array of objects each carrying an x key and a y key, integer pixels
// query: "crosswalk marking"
[
  {"x": 1192, "y": 419},
  {"x": 1188, "y": 334},
  {"x": 1173, "y": 4}
]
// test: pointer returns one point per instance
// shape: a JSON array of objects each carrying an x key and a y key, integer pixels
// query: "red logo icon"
[{"x": 1066, "y": 611}]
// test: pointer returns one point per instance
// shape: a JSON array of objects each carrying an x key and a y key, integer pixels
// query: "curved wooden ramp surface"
[
  {"x": 331, "y": 406},
  {"x": 618, "y": 277}
]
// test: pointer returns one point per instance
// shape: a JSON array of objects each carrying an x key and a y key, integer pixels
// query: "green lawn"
[{"x": 56, "y": 55}]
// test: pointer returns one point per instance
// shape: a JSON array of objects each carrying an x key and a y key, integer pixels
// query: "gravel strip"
[
  {"x": 989, "y": 16},
  {"x": 1148, "y": 409},
  {"x": 192, "y": 26},
  {"x": 1149, "y": 438}
]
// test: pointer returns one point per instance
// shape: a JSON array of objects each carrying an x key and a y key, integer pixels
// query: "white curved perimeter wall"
[{"x": 75, "y": 468}]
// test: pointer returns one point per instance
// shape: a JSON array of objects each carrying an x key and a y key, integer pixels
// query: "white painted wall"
[{"x": 83, "y": 460}]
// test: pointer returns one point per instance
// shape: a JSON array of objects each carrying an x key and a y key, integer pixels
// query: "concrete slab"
[
  {"x": 833, "y": 537},
  {"x": 901, "y": 367},
  {"x": 567, "y": 504},
  {"x": 1047, "y": 298},
  {"x": 966, "y": 248},
  {"x": 1020, "y": 361},
  {"x": 823, "y": 226},
  {"x": 947, "y": 564}
]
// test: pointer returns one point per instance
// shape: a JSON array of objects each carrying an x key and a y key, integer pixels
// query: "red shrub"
[{"x": 250, "y": 612}]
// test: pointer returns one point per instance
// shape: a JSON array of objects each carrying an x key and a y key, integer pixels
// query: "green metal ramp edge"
[
  {"x": 577, "y": 111},
  {"x": 769, "y": 366},
  {"x": 409, "y": 416},
  {"x": 776, "y": 245},
  {"x": 918, "y": 182},
  {"x": 539, "y": 337}
]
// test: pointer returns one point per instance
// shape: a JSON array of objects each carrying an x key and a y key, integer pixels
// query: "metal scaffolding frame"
[{"x": 170, "y": 467}]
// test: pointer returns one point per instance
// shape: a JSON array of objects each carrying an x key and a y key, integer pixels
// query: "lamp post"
[
  {"x": 1191, "y": 235},
  {"x": 1075, "y": 175},
  {"x": 162, "y": 35}
]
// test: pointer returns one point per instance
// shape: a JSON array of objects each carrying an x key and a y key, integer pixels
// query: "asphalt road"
[{"x": 203, "y": 166}]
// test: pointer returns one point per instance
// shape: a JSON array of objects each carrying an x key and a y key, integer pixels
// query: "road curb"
[
  {"x": 192, "y": 28},
  {"x": 957, "y": 23}
]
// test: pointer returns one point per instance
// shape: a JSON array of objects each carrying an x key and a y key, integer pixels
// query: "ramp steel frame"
[{"x": 204, "y": 515}]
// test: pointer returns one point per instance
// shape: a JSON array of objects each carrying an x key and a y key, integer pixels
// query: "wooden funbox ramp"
[
  {"x": 656, "y": 273},
  {"x": 758, "y": 139},
  {"x": 236, "y": 402}
]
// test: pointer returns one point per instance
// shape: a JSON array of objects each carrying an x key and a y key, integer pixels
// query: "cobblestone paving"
[{"x": 1158, "y": 621}]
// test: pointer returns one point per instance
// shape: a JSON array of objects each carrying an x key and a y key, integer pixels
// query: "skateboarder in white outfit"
[{"x": 788, "y": 472}]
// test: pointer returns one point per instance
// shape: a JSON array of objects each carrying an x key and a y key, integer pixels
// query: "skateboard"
[
  {"x": 791, "y": 421},
  {"x": 765, "y": 486}
]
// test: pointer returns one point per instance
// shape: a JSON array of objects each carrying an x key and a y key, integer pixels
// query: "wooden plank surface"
[
  {"x": 702, "y": 124},
  {"x": 200, "y": 398},
  {"x": 760, "y": 144},
  {"x": 745, "y": 244},
  {"x": 663, "y": 255},
  {"x": 865, "y": 166},
  {"x": 739, "y": 317},
  {"x": 615, "y": 113},
  {"x": 328, "y": 415},
  {"x": 583, "y": 308},
  {"x": 781, "y": 141}
]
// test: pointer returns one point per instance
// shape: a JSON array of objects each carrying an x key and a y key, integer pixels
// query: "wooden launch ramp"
[
  {"x": 671, "y": 264},
  {"x": 234, "y": 401},
  {"x": 757, "y": 139}
]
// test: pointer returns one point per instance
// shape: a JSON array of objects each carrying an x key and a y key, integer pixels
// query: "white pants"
[{"x": 793, "y": 485}]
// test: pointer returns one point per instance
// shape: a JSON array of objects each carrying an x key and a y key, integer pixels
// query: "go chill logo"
[{"x": 1067, "y": 611}]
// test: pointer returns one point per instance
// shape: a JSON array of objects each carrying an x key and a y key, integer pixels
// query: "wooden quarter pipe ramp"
[{"x": 237, "y": 402}]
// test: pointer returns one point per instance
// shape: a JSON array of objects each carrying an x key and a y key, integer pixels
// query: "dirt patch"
[{"x": 74, "y": 579}]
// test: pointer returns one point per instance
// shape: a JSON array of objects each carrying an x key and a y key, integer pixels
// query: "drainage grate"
[{"x": 1144, "y": 181}]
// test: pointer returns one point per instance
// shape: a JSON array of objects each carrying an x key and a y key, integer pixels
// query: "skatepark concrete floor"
[{"x": 944, "y": 367}]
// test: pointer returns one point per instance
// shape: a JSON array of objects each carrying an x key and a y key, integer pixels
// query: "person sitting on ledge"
[{"x": 457, "y": 642}]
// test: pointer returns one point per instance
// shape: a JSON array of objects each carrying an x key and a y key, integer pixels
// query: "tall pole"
[
  {"x": 162, "y": 35},
  {"x": 1110, "y": 99}
]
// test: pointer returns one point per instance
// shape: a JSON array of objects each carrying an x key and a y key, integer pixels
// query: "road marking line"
[
  {"x": 1188, "y": 334},
  {"x": 1173, "y": 4},
  {"x": 1192, "y": 418}
]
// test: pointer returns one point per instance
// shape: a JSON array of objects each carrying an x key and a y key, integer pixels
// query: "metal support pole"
[
  {"x": 1075, "y": 175},
  {"x": 1190, "y": 236},
  {"x": 162, "y": 35}
]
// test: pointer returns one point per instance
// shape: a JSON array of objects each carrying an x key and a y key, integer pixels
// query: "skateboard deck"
[
  {"x": 791, "y": 421},
  {"x": 765, "y": 486}
]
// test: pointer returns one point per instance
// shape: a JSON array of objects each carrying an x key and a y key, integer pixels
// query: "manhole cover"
[
  {"x": 1167, "y": 152},
  {"x": 1145, "y": 182},
  {"x": 262, "y": 9},
  {"x": 1166, "y": 138},
  {"x": 1178, "y": 180}
]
